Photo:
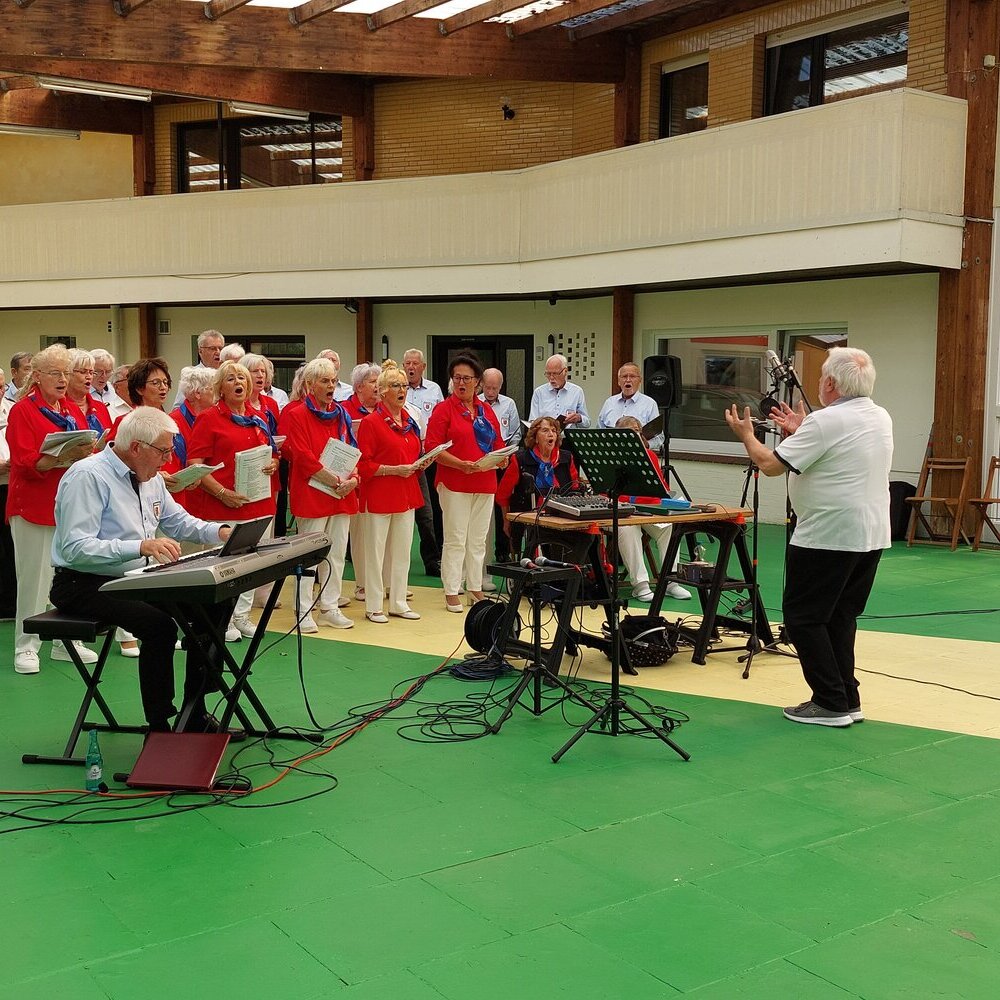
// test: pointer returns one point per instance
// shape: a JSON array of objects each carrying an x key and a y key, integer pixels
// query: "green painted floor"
[{"x": 781, "y": 861}]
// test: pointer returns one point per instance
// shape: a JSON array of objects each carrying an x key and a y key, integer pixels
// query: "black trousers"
[
  {"x": 430, "y": 540},
  {"x": 825, "y": 592},
  {"x": 8, "y": 572},
  {"x": 78, "y": 593}
]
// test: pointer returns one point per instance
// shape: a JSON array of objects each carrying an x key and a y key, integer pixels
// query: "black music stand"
[{"x": 616, "y": 462}]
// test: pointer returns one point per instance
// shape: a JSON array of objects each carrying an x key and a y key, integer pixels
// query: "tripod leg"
[
  {"x": 528, "y": 675},
  {"x": 655, "y": 730},
  {"x": 597, "y": 717}
]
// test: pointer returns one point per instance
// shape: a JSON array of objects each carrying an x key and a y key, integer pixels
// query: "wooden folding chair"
[
  {"x": 982, "y": 504},
  {"x": 942, "y": 501}
]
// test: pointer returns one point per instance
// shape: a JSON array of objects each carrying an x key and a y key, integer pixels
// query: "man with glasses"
[
  {"x": 210, "y": 344},
  {"x": 630, "y": 403},
  {"x": 559, "y": 397},
  {"x": 119, "y": 404},
  {"x": 20, "y": 369},
  {"x": 102, "y": 387},
  {"x": 114, "y": 514}
]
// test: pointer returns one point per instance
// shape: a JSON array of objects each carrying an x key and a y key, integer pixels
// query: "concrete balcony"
[{"x": 870, "y": 185}]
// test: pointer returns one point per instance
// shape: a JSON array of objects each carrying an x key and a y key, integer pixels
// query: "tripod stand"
[{"x": 616, "y": 462}]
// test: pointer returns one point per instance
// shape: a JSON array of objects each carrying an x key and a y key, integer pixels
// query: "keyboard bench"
[{"x": 70, "y": 628}]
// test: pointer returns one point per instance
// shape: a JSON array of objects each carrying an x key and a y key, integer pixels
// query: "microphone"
[
  {"x": 780, "y": 371},
  {"x": 528, "y": 564},
  {"x": 542, "y": 561}
]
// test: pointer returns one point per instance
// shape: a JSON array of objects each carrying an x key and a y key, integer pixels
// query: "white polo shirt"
[{"x": 840, "y": 458}]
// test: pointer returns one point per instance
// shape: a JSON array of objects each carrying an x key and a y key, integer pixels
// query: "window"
[
  {"x": 258, "y": 152},
  {"x": 285, "y": 352},
  {"x": 854, "y": 60},
  {"x": 807, "y": 349},
  {"x": 684, "y": 100}
]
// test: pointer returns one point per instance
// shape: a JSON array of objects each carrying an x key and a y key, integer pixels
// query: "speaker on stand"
[{"x": 661, "y": 376}]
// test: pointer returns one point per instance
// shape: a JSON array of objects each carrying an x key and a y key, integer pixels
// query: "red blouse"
[
  {"x": 32, "y": 494},
  {"x": 306, "y": 435},
  {"x": 381, "y": 444},
  {"x": 190, "y": 499},
  {"x": 215, "y": 438},
  {"x": 451, "y": 421}
]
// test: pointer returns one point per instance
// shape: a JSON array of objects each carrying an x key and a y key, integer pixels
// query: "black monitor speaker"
[{"x": 661, "y": 376}]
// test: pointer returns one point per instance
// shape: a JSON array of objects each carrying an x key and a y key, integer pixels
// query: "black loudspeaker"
[{"x": 661, "y": 375}]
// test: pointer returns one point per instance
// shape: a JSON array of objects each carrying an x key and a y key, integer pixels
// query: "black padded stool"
[{"x": 71, "y": 628}]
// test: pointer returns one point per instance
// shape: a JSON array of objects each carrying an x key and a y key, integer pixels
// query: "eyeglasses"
[
  {"x": 57, "y": 374},
  {"x": 464, "y": 378},
  {"x": 165, "y": 453},
  {"x": 83, "y": 371},
  {"x": 397, "y": 385},
  {"x": 559, "y": 371},
  {"x": 159, "y": 383}
]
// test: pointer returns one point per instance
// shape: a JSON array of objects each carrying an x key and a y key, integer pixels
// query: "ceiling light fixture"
[
  {"x": 52, "y": 133},
  {"x": 291, "y": 114},
  {"x": 62, "y": 86}
]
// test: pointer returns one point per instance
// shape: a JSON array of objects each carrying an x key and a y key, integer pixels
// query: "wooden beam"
[
  {"x": 628, "y": 93},
  {"x": 144, "y": 156},
  {"x": 622, "y": 331},
  {"x": 51, "y": 110},
  {"x": 125, "y": 7},
  {"x": 15, "y": 82},
  {"x": 695, "y": 17},
  {"x": 147, "y": 330},
  {"x": 313, "y": 9},
  {"x": 555, "y": 15},
  {"x": 24, "y": 3},
  {"x": 364, "y": 331},
  {"x": 260, "y": 38},
  {"x": 215, "y": 9},
  {"x": 964, "y": 294},
  {"x": 364, "y": 138},
  {"x": 626, "y": 18},
  {"x": 324, "y": 93},
  {"x": 478, "y": 14},
  {"x": 399, "y": 11}
]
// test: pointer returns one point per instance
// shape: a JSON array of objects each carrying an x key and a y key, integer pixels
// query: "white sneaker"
[
  {"x": 677, "y": 592},
  {"x": 489, "y": 587},
  {"x": 641, "y": 592},
  {"x": 26, "y": 662},
  {"x": 359, "y": 594},
  {"x": 343, "y": 602},
  {"x": 233, "y": 634},
  {"x": 335, "y": 619},
  {"x": 244, "y": 624},
  {"x": 59, "y": 652},
  {"x": 308, "y": 625}
]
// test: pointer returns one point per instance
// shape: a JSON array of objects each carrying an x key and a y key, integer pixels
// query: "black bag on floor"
[{"x": 651, "y": 640}]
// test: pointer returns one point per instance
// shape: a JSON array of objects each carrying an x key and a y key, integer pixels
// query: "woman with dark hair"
[{"x": 466, "y": 492}]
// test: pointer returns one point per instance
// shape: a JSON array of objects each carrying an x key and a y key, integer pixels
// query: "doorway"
[{"x": 511, "y": 354}]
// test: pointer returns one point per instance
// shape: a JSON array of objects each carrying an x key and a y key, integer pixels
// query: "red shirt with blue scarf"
[
  {"x": 190, "y": 499},
  {"x": 452, "y": 421},
  {"x": 384, "y": 442},
  {"x": 306, "y": 433},
  {"x": 217, "y": 438},
  {"x": 32, "y": 494}
]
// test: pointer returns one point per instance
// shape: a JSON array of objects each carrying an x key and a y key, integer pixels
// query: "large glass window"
[
  {"x": 258, "y": 152},
  {"x": 684, "y": 100},
  {"x": 847, "y": 62}
]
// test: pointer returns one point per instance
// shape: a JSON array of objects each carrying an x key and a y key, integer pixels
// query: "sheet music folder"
[{"x": 179, "y": 761}]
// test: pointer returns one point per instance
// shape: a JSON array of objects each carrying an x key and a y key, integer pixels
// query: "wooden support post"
[
  {"x": 622, "y": 332},
  {"x": 964, "y": 294},
  {"x": 144, "y": 156},
  {"x": 364, "y": 332},
  {"x": 627, "y": 96},
  {"x": 147, "y": 330},
  {"x": 364, "y": 136}
]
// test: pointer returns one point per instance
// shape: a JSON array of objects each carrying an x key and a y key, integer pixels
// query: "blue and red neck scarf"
[{"x": 336, "y": 412}]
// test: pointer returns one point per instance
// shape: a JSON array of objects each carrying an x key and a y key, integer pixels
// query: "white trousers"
[
  {"x": 388, "y": 540},
  {"x": 33, "y": 552},
  {"x": 466, "y": 518},
  {"x": 630, "y": 548},
  {"x": 358, "y": 531},
  {"x": 330, "y": 572}
]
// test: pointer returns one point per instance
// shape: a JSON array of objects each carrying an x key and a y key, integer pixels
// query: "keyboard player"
[{"x": 114, "y": 514}]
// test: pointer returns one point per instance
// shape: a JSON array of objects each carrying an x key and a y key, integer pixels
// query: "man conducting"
[
  {"x": 839, "y": 458},
  {"x": 109, "y": 508}
]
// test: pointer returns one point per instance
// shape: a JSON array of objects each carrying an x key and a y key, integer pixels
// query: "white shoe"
[
  {"x": 59, "y": 652},
  {"x": 343, "y": 602},
  {"x": 489, "y": 587},
  {"x": 244, "y": 624},
  {"x": 408, "y": 614},
  {"x": 677, "y": 592},
  {"x": 641, "y": 592},
  {"x": 233, "y": 634},
  {"x": 132, "y": 652},
  {"x": 378, "y": 617},
  {"x": 335, "y": 619},
  {"x": 359, "y": 594},
  {"x": 26, "y": 662},
  {"x": 178, "y": 644},
  {"x": 308, "y": 625}
]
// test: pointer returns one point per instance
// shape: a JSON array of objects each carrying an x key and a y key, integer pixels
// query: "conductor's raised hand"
[
  {"x": 741, "y": 426},
  {"x": 788, "y": 419},
  {"x": 163, "y": 550}
]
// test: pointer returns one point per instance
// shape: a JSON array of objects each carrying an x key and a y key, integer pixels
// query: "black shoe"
[{"x": 210, "y": 724}]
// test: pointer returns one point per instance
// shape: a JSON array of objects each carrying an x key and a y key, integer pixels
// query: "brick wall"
[{"x": 735, "y": 52}]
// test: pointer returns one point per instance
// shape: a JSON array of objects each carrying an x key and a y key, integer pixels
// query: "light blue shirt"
[
  {"x": 506, "y": 413},
  {"x": 10, "y": 392},
  {"x": 425, "y": 396},
  {"x": 278, "y": 395},
  {"x": 342, "y": 391},
  {"x": 640, "y": 406},
  {"x": 100, "y": 522},
  {"x": 549, "y": 402},
  {"x": 107, "y": 395}
]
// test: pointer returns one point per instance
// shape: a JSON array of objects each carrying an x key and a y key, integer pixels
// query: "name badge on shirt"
[{"x": 157, "y": 507}]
